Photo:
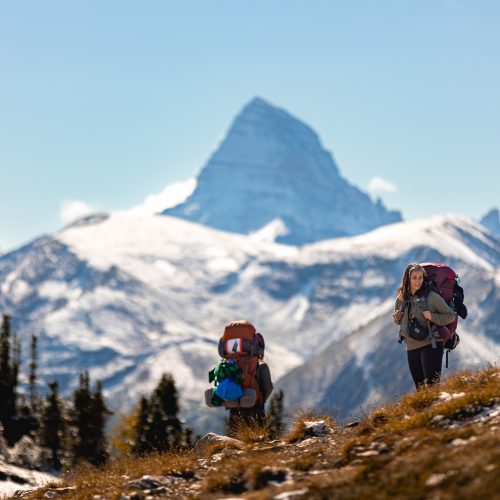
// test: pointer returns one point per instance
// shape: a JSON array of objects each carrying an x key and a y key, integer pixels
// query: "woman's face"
[{"x": 416, "y": 280}]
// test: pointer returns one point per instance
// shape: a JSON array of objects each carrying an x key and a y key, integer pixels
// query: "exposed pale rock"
[
  {"x": 290, "y": 495},
  {"x": 202, "y": 444},
  {"x": 58, "y": 492},
  {"x": 435, "y": 479},
  {"x": 317, "y": 428},
  {"x": 368, "y": 453}
]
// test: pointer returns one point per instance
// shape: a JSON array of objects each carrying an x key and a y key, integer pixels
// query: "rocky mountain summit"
[
  {"x": 271, "y": 166},
  {"x": 441, "y": 442}
]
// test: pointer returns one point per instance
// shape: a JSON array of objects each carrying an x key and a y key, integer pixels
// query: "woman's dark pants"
[{"x": 425, "y": 364}]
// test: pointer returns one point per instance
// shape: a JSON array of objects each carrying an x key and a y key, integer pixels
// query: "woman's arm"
[
  {"x": 441, "y": 312},
  {"x": 398, "y": 315}
]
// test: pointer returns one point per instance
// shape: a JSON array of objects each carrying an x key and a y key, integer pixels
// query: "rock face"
[
  {"x": 492, "y": 221},
  {"x": 272, "y": 166}
]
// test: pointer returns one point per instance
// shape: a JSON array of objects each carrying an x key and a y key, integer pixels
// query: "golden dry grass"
[
  {"x": 419, "y": 408},
  {"x": 398, "y": 451},
  {"x": 109, "y": 480},
  {"x": 251, "y": 432}
]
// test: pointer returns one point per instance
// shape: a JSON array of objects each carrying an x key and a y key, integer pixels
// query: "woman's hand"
[
  {"x": 398, "y": 315},
  {"x": 427, "y": 315}
]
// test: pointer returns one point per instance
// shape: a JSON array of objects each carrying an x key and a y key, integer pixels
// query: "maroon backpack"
[{"x": 444, "y": 280}]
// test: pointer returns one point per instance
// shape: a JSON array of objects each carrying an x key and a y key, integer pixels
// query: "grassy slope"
[{"x": 426, "y": 445}]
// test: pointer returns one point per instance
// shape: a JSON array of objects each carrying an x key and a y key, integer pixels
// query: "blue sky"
[{"x": 106, "y": 102}]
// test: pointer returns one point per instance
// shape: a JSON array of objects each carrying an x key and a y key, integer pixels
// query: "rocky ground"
[{"x": 440, "y": 443}]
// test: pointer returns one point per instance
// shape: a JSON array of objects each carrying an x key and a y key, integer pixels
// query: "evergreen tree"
[
  {"x": 166, "y": 397},
  {"x": 16, "y": 362},
  {"x": 166, "y": 393},
  {"x": 156, "y": 433},
  {"x": 9, "y": 368},
  {"x": 98, "y": 414},
  {"x": 142, "y": 444},
  {"x": 89, "y": 415},
  {"x": 53, "y": 425},
  {"x": 32, "y": 376},
  {"x": 158, "y": 426},
  {"x": 276, "y": 415},
  {"x": 80, "y": 413}
]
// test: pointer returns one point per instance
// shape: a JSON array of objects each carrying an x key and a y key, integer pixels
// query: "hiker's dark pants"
[{"x": 425, "y": 364}]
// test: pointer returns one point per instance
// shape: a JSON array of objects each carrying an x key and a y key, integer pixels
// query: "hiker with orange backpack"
[
  {"x": 420, "y": 311},
  {"x": 243, "y": 380}
]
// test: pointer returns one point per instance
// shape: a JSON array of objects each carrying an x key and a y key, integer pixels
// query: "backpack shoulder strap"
[
  {"x": 424, "y": 306},
  {"x": 423, "y": 302},
  {"x": 401, "y": 309}
]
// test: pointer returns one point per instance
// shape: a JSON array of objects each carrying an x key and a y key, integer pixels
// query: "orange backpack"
[{"x": 241, "y": 343}]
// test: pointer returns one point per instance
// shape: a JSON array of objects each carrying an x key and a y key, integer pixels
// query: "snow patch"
[
  {"x": 58, "y": 289},
  {"x": 446, "y": 396},
  {"x": 19, "y": 290}
]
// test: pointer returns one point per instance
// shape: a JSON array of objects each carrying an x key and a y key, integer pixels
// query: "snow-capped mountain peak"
[{"x": 273, "y": 166}]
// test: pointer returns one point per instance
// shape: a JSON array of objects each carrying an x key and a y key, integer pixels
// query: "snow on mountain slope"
[
  {"x": 128, "y": 297},
  {"x": 491, "y": 220},
  {"x": 367, "y": 366},
  {"x": 273, "y": 166},
  {"x": 451, "y": 235}
]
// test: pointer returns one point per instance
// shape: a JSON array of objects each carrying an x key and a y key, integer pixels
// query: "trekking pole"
[{"x": 402, "y": 310}]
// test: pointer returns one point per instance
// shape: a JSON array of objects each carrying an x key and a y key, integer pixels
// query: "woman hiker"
[{"x": 418, "y": 310}]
